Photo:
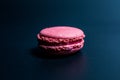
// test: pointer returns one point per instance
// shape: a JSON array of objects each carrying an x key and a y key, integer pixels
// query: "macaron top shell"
[{"x": 62, "y": 32}]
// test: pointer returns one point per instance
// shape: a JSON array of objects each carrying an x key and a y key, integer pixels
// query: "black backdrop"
[
  {"x": 56, "y": 12},
  {"x": 21, "y": 20}
]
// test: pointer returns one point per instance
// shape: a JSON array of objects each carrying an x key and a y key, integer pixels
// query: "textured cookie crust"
[{"x": 62, "y": 32}]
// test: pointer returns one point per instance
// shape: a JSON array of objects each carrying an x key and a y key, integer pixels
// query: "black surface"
[{"x": 22, "y": 20}]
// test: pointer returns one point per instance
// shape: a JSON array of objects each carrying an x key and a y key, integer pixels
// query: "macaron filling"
[
  {"x": 43, "y": 40},
  {"x": 64, "y": 47}
]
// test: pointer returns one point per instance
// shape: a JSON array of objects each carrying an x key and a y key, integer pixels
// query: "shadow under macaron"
[{"x": 42, "y": 53}]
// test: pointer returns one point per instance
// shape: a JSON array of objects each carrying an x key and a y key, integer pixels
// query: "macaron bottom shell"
[{"x": 57, "y": 52}]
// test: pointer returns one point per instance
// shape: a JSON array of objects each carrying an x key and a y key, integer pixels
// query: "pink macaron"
[{"x": 61, "y": 40}]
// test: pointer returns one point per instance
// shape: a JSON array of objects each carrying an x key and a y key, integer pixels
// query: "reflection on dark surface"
[{"x": 68, "y": 68}]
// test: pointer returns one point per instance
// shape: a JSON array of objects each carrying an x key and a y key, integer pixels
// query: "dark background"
[{"x": 21, "y": 20}]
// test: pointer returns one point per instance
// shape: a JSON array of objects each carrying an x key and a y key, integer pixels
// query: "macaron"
[{"x": 61, "y": 40}]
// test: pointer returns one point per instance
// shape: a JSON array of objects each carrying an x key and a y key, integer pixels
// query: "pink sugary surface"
[
  {"x": 71, "y": 35},
  {"x": 62, "y": 32}
]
